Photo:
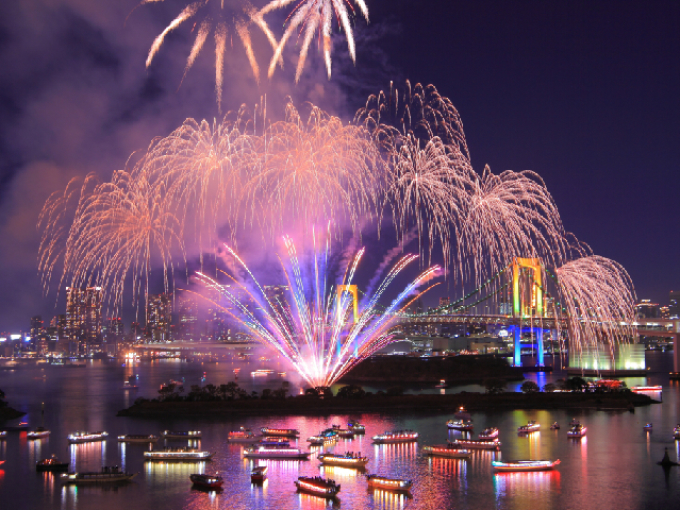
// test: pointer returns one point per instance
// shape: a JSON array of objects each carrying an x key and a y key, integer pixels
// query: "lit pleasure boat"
[
  {"x": 464, "y": 425},
  {"x": 446, "y": 450},
  {"x": 676, "y": 432},
  {"x": 317, "y": 486},
  {"x": 52, "y": 464},
  {"x": 348, "y": 459},
  {"x": 321, "y": 440},
  {"x": 39, "y": 433},
  {"x": 212, "y": 482},
  {"x": 525, "y": 465},
  {"x": 472, "y": 444},
  {"x": 648, "y": 427},
  {"x": 3, "y": 434},
  {"x": 272, "y": 442},
  {"x": 574, "y": 422},
  {"x": 397, "y": 436},
  {"x": 267, "y": 431},
  {"x": 577, "y": 431},
  {"x": 87, "y": 437},
  {"x": 555, "y": 426},
  {"x": 137, "y": 438},
  {"x": 263, "y": 452},
  {"x": 106, "y": 475},
  {"x": 532, "y": 426},
  {"x": 181, "y": 435},
  {"x": 357, "y": 428},
  {"x": 388, "y": 484},
  {"x": 488, "y": 434},
  {"x": 178, "y": 454},
  {"x": 646, "y": 389},
  {"x": 241, "y": 436},
  {"x": 258, "y": 474}
]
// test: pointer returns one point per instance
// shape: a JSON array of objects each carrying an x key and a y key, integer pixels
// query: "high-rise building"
[
  {"x": 84, "y": 314},
  {"x": 187, "y": 316},
  {"x": 645, "y": 309},
  {"x": 37, "y": 326},
  {"x": 158, "y": 317},
  {"x": 674, "y": 308},
  {"x": 444, "y": 301}
]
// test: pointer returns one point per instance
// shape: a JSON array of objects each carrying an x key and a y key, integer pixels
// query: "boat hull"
[
  {"x": 211, "y": 483},
  {"x": 513, "y": 467},
  {"x": 61, "y": 467},
  {"x": 476, "y": 445},
  {"x": 389, "y": 484},
  {"x": 320, "y": 492},
  {"x": 137, "y": 439},
  {"x": 274, "y": 456},
  {"x": 96, "y": 478},
  {"x": 177, "y": 458},
  {"x": 443, "y": 451}
]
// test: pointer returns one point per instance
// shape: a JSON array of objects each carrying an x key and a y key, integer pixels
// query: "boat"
[
  {"x": 442, "y": 384},
  {"x": 181, "y": 435},
  {"x": 472, "y": 444},
  {"x": 524, "y": 465},
  {"x": 465, "y": 425},
  {"x": 397, "y": 436},
  {"x": 348, "y": 459},
  {"x": 321, "y": 440},
  {"x": 345, "y": 433},
  {"x": 242, "y": 435},
  {"x": 388, "y": 484},
  {"x": 447, "y": 450},
  {"x": 532, "y": 426},
  {"x": 52, "y": 464},
  {"x": 258, "y": 474},
  {"x": 648, "y": 427},
  {"x": 676, "y": 432},
  {"x": 3, "y": 434},
  {"x": 266, "y": 431},
  {"x": 127, "y": 385},
  {"x": 273, "y": 442},
  {"x": 645, "y": 389},
  {"x": 555, "y": 426},
  {"x": 106, "y": 475},
  {"x": 38, "y": 433},
  {"x": 577, "y": 431},
  {"x": 357, "y": 428},
  {"x": 178, "y": 454},
  {"x": 488, "y": 433},
  {"x": 87, "y": 437},
  {"x": 212, "y": 482},
  {"x": 317, "y": 486},
  {"x": 263, "y": 452},
  {"x": 137, "y": 438},
  {"x": 574, "y": 422}
]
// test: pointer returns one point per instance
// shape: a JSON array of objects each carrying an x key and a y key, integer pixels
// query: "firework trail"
[
  {"x": 225, "y": 21},
  {"x": 314, "y": 327},
  {"x": 312, "y": 16}
]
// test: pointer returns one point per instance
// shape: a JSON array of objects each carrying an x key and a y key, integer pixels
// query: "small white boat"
[
  {"x": 447, "y": 450},
  {"x": 87, "y": 437},
  {"x": 137, "y": 438},
  {"x": 532, "y": 426},
  {"x": 178, "y": 454},
  {"x": 263, "y": 452},
  {"x": 39, "y": 433},
  {"x": 525, "y": 465},
  {"x": 488, "y": 433},
  {"x": 577, "y": 431},
  {"x": 648, "y": 427},
  {"x": 465, "y": 425},
  {"x": 349, "y": 459},
  {"x": 398, "y": 436},
  {"x": 388, "y": 484}
]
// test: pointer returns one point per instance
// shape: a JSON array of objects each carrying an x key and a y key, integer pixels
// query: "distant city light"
[
  {"x": 3, "y": 339},
  {"x": 15, "y": 337}
]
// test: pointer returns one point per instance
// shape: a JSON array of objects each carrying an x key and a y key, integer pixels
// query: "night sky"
[{"x": 586, "y": 93}]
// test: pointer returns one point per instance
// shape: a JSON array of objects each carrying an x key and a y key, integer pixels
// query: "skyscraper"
[
  {"x": 84, "y": 314},
  {"x": 158, "y": 317},
  {"x": 187, "y": 316}
]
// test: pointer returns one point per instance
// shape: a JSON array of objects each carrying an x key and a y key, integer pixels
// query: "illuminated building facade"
[
  {"x": 84, "y": 315},
  {"x": 187, "y": 317},
  {"x": 158, "y": 317}
]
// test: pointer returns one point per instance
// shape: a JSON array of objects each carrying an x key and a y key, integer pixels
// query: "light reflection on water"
[{"x": 614, "y": 466}]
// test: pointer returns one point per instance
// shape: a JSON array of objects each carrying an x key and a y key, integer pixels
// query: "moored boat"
[
  {"x": 525, "y": 465},
  {"x": 574, "y": 422},
  {"x": 137, "y": 438},
  {"x": 181, "y": 435},
  {"x": 397, "y": 436},
  {"x": 472, "y": 444},
  {"x": 267, "y": 431},
  {"x": 258, "y": 474},
  {"x": 648, "y": 427},
  {"x": 87, "y": 437},
  {"x": 488, "y": 433},
  {"x": 52, "y": 464},
  {"x": 676, "y": 432},
  {"x": 388, "y": 484},
  {"x": 465, "y": 425},
  {"x": 263, "y": 452},
  {"x": 321, "y": 440},
  {"x": 532, "y": 426},
  {"x": 38, "y": 433},
  {"x": 106, "y": 475},
  {"x": 348, "y": 459},
  {"x": 273, "y": 442},
  {"x": 3, "y": 434},
  {"x": 446, "y": 450},
  {"x": 646, "y": 389},
  {"x": 317, "y": 486},
  {"x": 555, "y": 426},
  {"x": 577, "y": 431},
  {"x": 212, "y": 482},
  {"x": 241, "y": 436},
  {"x": 357, "y": 428},
  {"x": 178, "y": 454}
]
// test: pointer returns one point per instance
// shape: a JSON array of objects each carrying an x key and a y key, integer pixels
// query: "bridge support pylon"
[
  {"x": 539, "y": 347},
  {"x": 518, "y": 346}
]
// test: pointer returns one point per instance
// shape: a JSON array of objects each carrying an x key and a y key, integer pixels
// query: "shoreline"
[
  {"x": 8, "y": 414},
  {"x": 304, "y": 405}
]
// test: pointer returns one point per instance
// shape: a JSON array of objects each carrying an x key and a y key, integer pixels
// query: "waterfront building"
[
  {"x": 187, "y": 317},
  {"x": 645, "y": 309},
  {"x": 83, "y": 317},
  {"x": 674, "y": 307},
  {"x": 158, "y": 317}
]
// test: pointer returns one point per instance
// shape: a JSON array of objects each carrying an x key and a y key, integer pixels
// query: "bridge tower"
[
  {"x": 354, "y": 291},
  {"x": 532, "y": 308}
]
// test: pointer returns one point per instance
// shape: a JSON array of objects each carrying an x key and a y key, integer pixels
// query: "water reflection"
[
  {"x": 525, "y": 487},
  {"x": 87, "y": 456},
  {"x": 390, "y": 500}
]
